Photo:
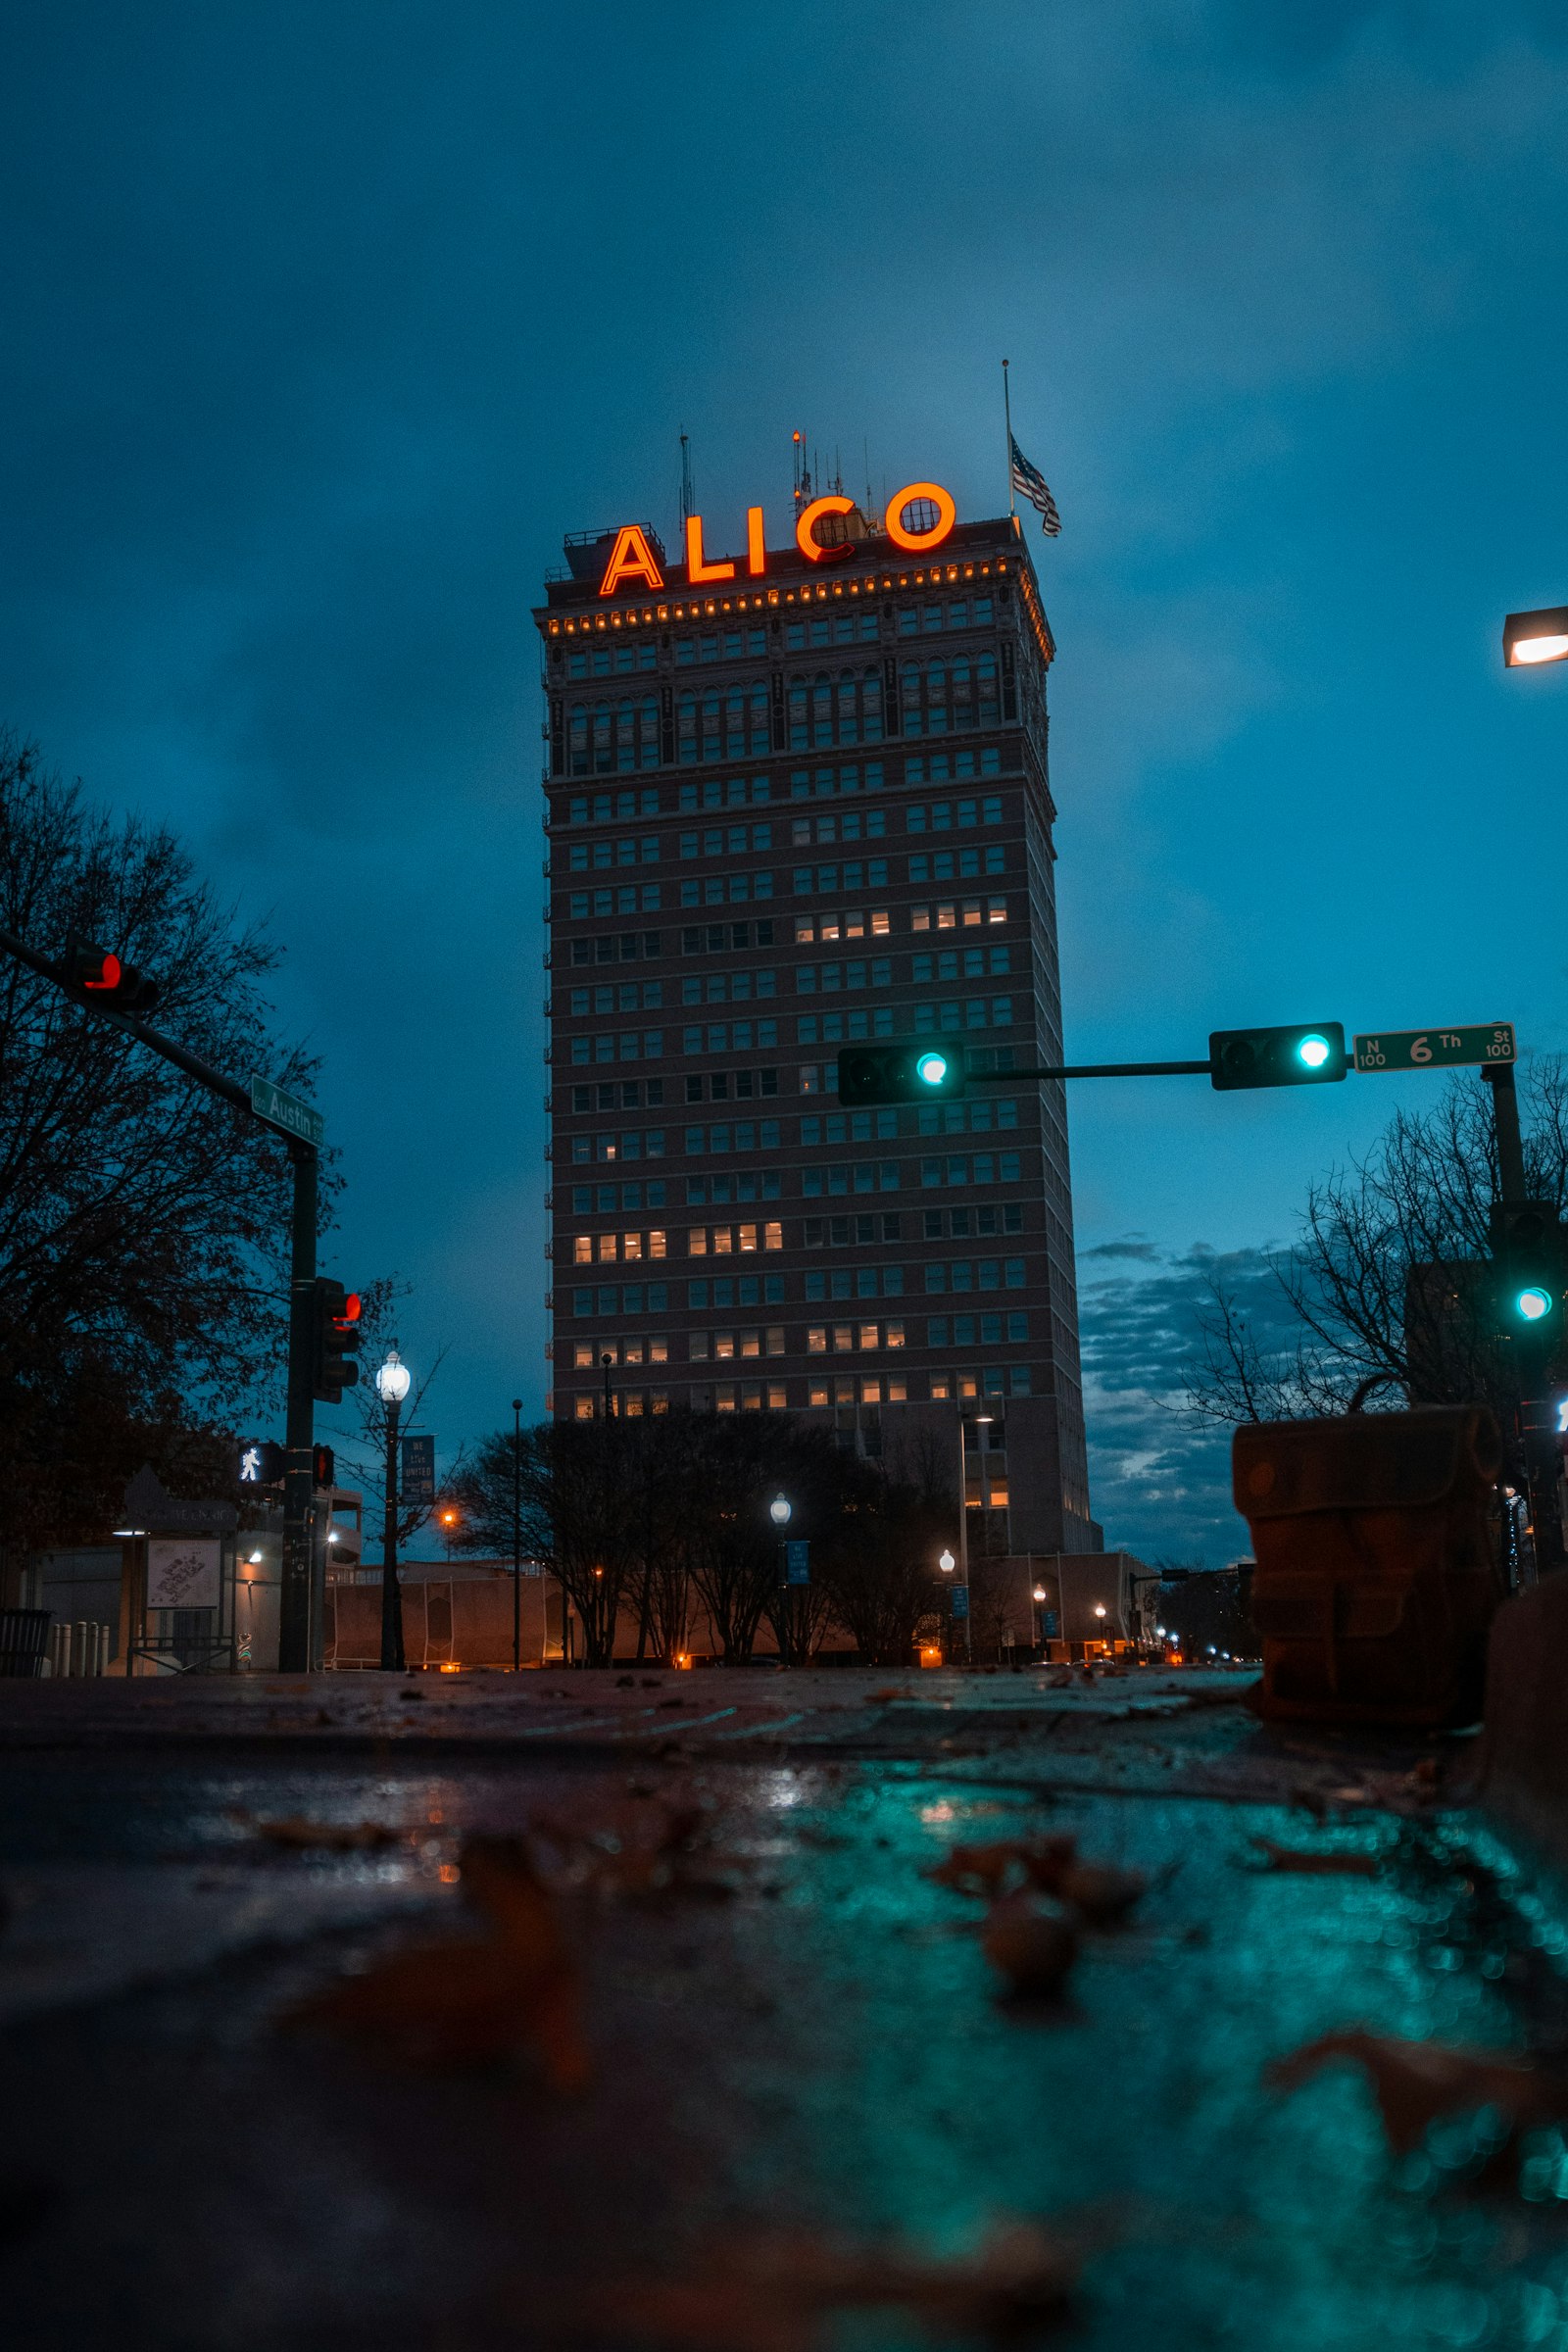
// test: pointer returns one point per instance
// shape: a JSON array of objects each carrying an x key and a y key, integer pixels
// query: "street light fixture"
[
  {"x": 946, "y": 1563},
  {"x": 1531, "y": 638},
  {"x": 780, "y": 1510},
  {"x": 393, "y": 1381},
  {"x": 1040, "y": 1597}
]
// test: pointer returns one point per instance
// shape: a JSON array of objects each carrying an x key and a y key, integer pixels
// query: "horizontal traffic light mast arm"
[
  {"x": 1092, "y": 1069},
  {"x": 153, "y": 1038}
]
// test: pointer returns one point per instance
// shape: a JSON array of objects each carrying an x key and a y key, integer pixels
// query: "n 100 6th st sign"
[{"x": 1436, "y": 1048}]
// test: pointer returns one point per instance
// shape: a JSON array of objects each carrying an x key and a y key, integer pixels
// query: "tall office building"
[{"x": 795, "y": 798}]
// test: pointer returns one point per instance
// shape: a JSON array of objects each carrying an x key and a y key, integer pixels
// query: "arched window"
[
  {"x": 822, "y": 708},
  {"x": 686, "y": 729},
  {"x": 604, "y": 743},
  {"x": 735, "y": 724},
  {"x": 871, "y": 706},
  {"x": 760, "y": 735},
  {"x": 578, "y": 737},
  {"x": 625, "y": 736},
  {"x": 936, "y": 698},
  {"x": 710, "y": 737},
  {"x": 799, "y": 737},
  {"x": 648, "y": 732},
  {"x": 963, "y": 695},
  {"x": 910, "y": 697}
]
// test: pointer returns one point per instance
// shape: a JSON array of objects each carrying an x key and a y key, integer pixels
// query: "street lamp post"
[
  {"x": 981, "y": 1421},
  {"x": 392, "y": 1383},
  {"x": 781, "y": 1510},
  {"x": 1040, "y": 1621},
  {"x": 517, "y": 1534}
]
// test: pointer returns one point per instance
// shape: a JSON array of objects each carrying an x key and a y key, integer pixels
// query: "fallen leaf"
[
  {"x": 1308, "y": 1862},
  {"x": 1032, "y": 1944},
  {"x": 779, "y": 2294},
  {"x": 1416, "y": 2083},
  {"x": 335, "y": 1837},
  {"x": 463, "y": 2002}
]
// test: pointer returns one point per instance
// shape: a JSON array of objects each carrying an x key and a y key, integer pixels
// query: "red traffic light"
[
  {"x": 351, "y": 1308},
  {"x": 99, "y": 973}
]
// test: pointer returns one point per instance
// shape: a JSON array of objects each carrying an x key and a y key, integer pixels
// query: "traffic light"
[
  {"x": 335, "y": 1334},
  {"x": 324, "y": 1466},
  {"x": 96, "y": 973},
  {"x": 1307, "y": 1054},
  {"x": 927, "y": 1070},
  {"x": 1527, "y": 1242}
]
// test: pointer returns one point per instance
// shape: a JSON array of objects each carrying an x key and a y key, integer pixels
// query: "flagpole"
[{"x": 1006, "y": 410}]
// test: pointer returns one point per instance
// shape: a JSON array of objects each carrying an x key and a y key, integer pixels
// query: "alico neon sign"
[{"x": 632, "y": 559}]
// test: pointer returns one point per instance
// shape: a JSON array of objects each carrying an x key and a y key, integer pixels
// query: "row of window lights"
[
  {"x": 735, "y": 841},
  {"x": 833, "y": 1233},
  {"x": 843, "y": 1390},
  {"x": 836, "y": 628},
  {"x": 702, "y": 1241},
  {"x": 705, "y": 608},
  {"x": 719, "y": 938}
]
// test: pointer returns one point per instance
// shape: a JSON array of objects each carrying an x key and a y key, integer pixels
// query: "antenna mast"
[{"x": 688, "y": 503}]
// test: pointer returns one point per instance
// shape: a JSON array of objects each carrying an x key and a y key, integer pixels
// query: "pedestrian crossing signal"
[
  {"x": 1306, "y": 1053},
  {"x": 925, "y": 1070}
]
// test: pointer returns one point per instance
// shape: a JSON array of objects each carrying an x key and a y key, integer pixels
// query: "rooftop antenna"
[
  {"x": 688, "y": 506},
  {"x": 803, "y": 474},
  {"x": 838, "y": 472},
  {"x": 866, "y": 449}
]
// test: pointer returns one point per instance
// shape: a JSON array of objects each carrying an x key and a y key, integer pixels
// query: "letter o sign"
[{"x": 920, "y": 543}]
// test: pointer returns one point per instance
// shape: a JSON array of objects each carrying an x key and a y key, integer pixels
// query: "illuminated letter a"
[{"x": 631, "y": 559}]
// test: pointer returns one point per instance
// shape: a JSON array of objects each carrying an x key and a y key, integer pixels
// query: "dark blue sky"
[{"x": 322, "y": 324}]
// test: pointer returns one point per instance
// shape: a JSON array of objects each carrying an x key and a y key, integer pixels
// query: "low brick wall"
[{"x": 446, "y": 1621}]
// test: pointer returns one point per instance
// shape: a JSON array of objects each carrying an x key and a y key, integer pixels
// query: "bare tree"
[
  {"x": 1386, "y": 1283},
  {"x": 143, "y": 1222}
]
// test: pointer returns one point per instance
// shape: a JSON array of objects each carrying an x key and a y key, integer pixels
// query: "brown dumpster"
[{"x": 1377, "y": 1572}]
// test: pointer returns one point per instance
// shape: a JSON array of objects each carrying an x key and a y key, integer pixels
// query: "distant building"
[{"x": 805, "y": 806}]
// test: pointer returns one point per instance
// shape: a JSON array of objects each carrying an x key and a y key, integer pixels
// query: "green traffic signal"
[
  {"x": 1306, "y": 1053},
  {"x": 1532, "y": 1303},
  {"x": 918, "y": 1072}
]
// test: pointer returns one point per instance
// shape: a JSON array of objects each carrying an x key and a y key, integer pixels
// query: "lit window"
[
  {"x": 919, "y": 918},
  {"x": 750, "y": 1343},
  {"x": 584, "y": 1408},
  {"x": 772, "y": 1237},
  {"x": 724, "y": 1241},
  {"x": 880, "y": 924},
  {"x": 631, "y": 1246},
  {"x": 582, "y": 1249},
  {"x": 816, "y": 1392},
  {"x": 941, "y": 1387},
  {"x": 582, "y": 1356},
  {"x": 776, "y": 1400},
  {"x": 817, "y": 1342},
  {"x": 870, "y": 1391},
  {"x": 898, "y": 1389},
  {"x": 947, "y": 919},
  {"x": 697, "y": 1242},
  {"x": 971, "y": 910},
  {"x": 724, "y": 1346},
  {"x": 854, "y": 926},
  {"x": 631, "y": 1352},
  {"x": 631, "y": 1403},
  {"x": 895, "y": 1335},
  {"x": 655, "y": 1245},
  {"x": 659, "y": 1351},
  {"x": 805, "y": 930},
  {"x": 869, "y": 1334},
  {"x": 842, "y": 1338},
  {"x": 810, "y": 1078},
  {"x": 607, "y": 1249},
  {"x": 747, "y": 1239},
  {"x": 997, "y": 910}
]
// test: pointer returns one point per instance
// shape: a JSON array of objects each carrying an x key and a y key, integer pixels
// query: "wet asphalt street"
[{"x": 791, "y": 2029}]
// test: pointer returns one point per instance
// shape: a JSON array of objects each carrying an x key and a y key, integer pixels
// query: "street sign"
[
  {"x": 287, "y": 1112},
  {"x": 959, "y": 1599},
  {"x": 797, "y": 1563},
  {"x": 419, "y": 1469},
  {"x": 1436, "y": 1048}
]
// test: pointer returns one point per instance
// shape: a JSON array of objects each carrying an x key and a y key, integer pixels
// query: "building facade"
[{"x": 801, "y": 805}]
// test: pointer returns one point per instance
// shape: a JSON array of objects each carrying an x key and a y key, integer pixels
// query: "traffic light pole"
[
  {"x": 1537, "y": 1444},
  {"x": 294, "y": 1628},
  {"x": 294, "y": 1605}
]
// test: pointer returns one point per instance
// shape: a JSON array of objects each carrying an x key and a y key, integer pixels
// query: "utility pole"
[
  {"x": 517, "y": 1534},
  {"x": 1536, "y": 1443}
]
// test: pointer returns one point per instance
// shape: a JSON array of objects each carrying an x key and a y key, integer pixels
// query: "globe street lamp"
[
  {"x": 1039, "y": 1599},
  {"x": 392, "y": 1383},
  {"x": 781, "y": 1511}
]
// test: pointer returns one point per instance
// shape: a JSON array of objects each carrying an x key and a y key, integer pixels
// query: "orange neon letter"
[
  {"x": 805, "y": 537},
  {"x": 630, "y": 558},
  {"x": 919, "y": 543},
  {"x": 695, "y": 570},
  {"x": 756, "y": 543}
]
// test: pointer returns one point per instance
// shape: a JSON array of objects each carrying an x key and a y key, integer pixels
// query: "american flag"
[{"x": 1031, "y": 482}]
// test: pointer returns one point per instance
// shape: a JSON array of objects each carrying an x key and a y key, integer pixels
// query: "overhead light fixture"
[{"x": 1531, "y": 638}]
